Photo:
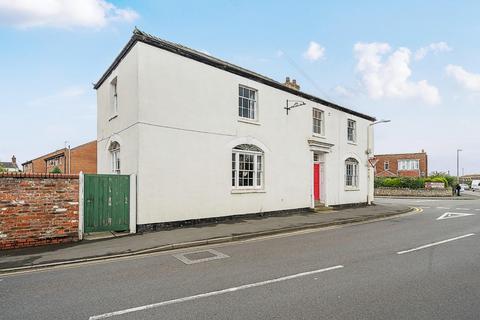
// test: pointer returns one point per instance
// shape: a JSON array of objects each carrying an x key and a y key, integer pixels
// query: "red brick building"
[
  {"x": 402, "y": 165},
  {"x": 69, "y": 161}
]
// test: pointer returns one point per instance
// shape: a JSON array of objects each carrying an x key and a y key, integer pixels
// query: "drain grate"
[{"x": 200, "y": 256}]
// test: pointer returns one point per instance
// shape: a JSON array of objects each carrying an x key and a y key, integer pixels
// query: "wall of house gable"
[{"x": 123, "y": 127}]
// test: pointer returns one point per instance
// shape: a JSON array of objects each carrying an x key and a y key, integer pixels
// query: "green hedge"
[{"x": 410, "y": 183}]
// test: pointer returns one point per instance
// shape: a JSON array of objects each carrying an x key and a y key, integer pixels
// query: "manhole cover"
[{"x": 200, "y": 256}]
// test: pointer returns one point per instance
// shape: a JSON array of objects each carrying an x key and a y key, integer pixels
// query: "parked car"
[
  {"x": 464, "y": 186},
  {"x": 475, "y": 185}
]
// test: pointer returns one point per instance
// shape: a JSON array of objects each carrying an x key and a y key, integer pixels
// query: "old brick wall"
[
  {"x": 404, "y": 192},
  {"x": 38, "y": 209}
]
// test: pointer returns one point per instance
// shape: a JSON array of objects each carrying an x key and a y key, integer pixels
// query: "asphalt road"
[{"x": 409, "y": 267}]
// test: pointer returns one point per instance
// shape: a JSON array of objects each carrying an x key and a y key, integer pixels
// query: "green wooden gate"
[{"x": 106, "y": 202}]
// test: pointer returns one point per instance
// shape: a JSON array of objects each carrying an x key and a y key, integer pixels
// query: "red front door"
[{"x": 316, "y": 181}]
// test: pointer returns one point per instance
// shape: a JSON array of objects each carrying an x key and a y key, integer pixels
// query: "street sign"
[{"x": 449, "y": 215}]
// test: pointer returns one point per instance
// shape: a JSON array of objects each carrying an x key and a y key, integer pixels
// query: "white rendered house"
[{"x": 209, "y": 139}]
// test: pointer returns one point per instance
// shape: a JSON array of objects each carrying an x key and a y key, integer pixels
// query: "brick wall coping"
[{"x": 20, "y": 175}]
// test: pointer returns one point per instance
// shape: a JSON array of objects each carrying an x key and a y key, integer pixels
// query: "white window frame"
[
  {"x": 353, "y": 137},
  {"x": 386, "y": 165},
  {"x": 115, "y": 157},
  {"x": 114, "y": 97},
  {"x": 258, "y": 169},
  {"x": 318, "y": 122},
  {"x": 252, "y": 104},
  {"x": 408, "y": 164},
  {"x": 351, "y": 183}
]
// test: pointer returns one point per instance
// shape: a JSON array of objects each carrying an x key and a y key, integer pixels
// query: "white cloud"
[
  {"x": 432, "y": 47},
  {"x": 62, "y": 13},
  {"x": 390, "y": 77},
  {"x": 468, "y": 80},
  {"x": 314, "y": 51}
]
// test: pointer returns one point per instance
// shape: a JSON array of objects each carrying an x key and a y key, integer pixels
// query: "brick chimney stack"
[
  {"x": 292, "y": 84},
  {"x": 14, "y": 160}
]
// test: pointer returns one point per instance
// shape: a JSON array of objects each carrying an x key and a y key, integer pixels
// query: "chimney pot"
[
  {"x": 14, "y": 160},
  {"x": 291, "y": 84}
]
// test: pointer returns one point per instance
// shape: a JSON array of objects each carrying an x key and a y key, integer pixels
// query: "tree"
[{"x": 56, "y": 170}]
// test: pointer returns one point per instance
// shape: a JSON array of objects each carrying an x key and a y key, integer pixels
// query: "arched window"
[
  {"x": 247, "y": 167},
  {"x": 115, "y": 156},
  {"x": 351, "y": 173}
]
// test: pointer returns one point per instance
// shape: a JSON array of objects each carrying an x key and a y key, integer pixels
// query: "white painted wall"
[
  {"x": 124, "y": 127},
  {"x": 183, "y": 125}
]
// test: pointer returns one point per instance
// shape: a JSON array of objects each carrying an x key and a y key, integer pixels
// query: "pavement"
[
  {"x": 413, "y": 266},
  {"x": 233, "y": 230}
]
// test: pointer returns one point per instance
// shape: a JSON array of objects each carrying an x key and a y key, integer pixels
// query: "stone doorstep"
[{"x": 104, "y": 235}]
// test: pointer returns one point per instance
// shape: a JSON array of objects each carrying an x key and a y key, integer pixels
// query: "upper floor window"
[
  {"x": 247, "y": 167},
  {"x": 114, "y": 97},
  {"x": 318, "y": 121},
  {"x": 386, "y": 165},
  {"x": 352, "y": 130},
  {"x": 351, "y": 173},
  {"x": 115, "y": 157},
  {"x": 247, "y": 103},
  {"x": 408, "y": 164}
]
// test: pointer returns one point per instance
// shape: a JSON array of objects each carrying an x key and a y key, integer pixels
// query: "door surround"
[{"x": 319, "y": 151}]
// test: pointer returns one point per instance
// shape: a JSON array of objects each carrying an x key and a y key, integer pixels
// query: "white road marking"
[
  {"x": 425, "y": 207},
  {"x": 436, "y": 243},
  {"x": 462, "y": 209},
  {"x": 211, "y": 293},
  {"x": 477, "y": 209},
  {"x": 450, "y": 215},
  {"x": 442, "y": 208}
]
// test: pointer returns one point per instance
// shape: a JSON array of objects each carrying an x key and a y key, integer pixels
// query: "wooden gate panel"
[{"x": 106, "y": 202}]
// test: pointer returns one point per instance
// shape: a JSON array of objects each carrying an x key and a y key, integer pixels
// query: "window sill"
[
  {"x": 352, "y": 143},
  {"x": 316, "y": 135},
  {"x": 240, "y": 191},
  {"x": 352, "y": 189},
  {"x": 249, "y": 121},
  {"x": 112, "y": 117}
]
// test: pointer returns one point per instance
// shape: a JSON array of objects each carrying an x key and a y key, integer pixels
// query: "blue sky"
[{"x": 416, "y": 63}]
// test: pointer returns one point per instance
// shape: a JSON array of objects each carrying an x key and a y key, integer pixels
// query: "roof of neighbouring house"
[
  {"x": 8, "y": 165},
  {"x": 57, "y": 152},
  {"x": 398, "y": 154},
  {"x": 175, "y": 48}
]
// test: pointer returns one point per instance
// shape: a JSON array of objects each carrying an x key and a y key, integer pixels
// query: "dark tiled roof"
[
  {"x": 217, "y": 63},
  {"x": 8, "y": 165}
]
